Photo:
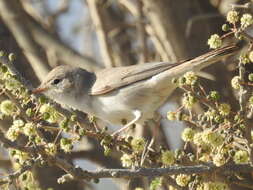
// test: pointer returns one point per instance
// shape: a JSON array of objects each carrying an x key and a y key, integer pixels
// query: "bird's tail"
[{"x": 198, "y": 63}]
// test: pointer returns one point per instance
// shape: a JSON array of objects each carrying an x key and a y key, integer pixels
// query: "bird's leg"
[{"x": 137, "y": 114}]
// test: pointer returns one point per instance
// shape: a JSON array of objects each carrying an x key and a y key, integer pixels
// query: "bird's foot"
[{"x": 137, "y": 115}]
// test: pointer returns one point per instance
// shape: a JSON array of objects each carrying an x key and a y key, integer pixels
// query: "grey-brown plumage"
[{"x": 123, "y": 92}]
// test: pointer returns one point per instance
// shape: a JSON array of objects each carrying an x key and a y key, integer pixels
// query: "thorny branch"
[{"x": 130, "y": 173}]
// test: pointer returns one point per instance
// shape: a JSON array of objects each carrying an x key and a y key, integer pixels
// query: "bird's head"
[{"x": 60, "y": 80}]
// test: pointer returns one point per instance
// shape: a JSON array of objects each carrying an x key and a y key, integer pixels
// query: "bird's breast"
[{"x": 119, "y": 105}]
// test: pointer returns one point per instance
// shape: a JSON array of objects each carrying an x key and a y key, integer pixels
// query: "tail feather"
[{"x": 198, "y": 63}]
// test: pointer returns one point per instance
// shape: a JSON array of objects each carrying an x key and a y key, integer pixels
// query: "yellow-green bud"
[
  {"x": 224, "y": 109},
  {"x": 251, "y": 56},
  {"x": 3, "y": 69},
  {"x": 182, "y": 81},
  {"x": 138, "y": 144},
  {"x": 2, "y": 53},
  {"x": 232, "y": 17},
  {"x": 244, "y": 58},
  {"x": 214, "y": 186},
  {"x": 251, "y": 101},
  {"x": 29, "y": 112},
  {"x": 167, "y": 158},
  {"x": 188, "y": 101},
  {"x": 183, "y": 180},
  {"x": 51, "y": 113},
  {"x": 242, "y": 126},
  {"x": 188, "y": 134},
  {"x": 29, "y": 129},
  {"x": 219, "y": 159},
  {"x": 212, "y": 138},
  {"x": 107, "y": 150},
  {"x": 13, "y": 133},
  {"x": 246, "y": 20},
  {"x": 171, "y": 116},
  {"x": 218, "y": 119},
  {"x": 66, "y": 144},
  {"x": 225, "y": 27},
  {"x": 126, "y": 160},
  {"x": 214, "y": 41},
  {"x": 156, "y": 183},
  {"x": 235, "y": 82},
  {"x": 191, "y": 78},
  {"x": 82, "y": 132},
  {"x": 7, "y": 107},
  {"x": 12, "y": 84},
  {"x": 64, "y": 124},
  {"x": 18, "y": 123},
  {"x": 214, "y": 95},
  {"x": 197, "y": 139},
  {"x": 250, "y": 77},
  {"x": 51, "y": 148},
  {"x": 241, "y": 157}
]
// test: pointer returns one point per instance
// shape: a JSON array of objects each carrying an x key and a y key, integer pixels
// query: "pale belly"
[{"x": 119, "y": 106}]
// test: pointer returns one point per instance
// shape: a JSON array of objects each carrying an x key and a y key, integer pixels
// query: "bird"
[{"x": 127, "y": 93}]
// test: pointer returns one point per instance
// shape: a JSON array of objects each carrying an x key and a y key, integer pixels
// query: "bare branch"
[
  {"x": 101, "y": 33},
  {"x": 163, "y": 21},
  {"x": 129, "y": 5},
  {"x": 157, "y": 43},
  {"x": 11, "y": 12},
  {"x": 141, "y": 33},
  {"x": 47, "y": 40},
  {"x": 149, "y": 172}
]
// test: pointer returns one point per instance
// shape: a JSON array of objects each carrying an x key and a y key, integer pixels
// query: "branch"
[
  {"x": 150, "y": 172},
  {"x": 165, "y": 24},
  {"x": 19, "y": 172},
  {"x": 130, "y": 6},
  {"x": 157, "y": 42},
  {"x": 78, "y": 173},
  {"x": 47, "y": 40},
  {"x": 103, "y": 40},
  {"x": 12, "y": 14},
  {"x": 141, "y": 33},
  {"x": 11, "y": 66}
]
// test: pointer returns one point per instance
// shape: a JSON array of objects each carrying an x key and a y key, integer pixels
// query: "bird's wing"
[{"x": 121, "y": 76}]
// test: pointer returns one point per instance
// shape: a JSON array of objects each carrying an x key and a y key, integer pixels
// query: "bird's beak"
[{"x": 39, "y": 90}]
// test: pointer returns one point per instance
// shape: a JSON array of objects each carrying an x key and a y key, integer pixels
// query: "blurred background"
[{"x": 95, "y": 34}]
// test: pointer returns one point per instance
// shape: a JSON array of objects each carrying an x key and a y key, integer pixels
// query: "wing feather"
[{"x": 122, "y": 76}]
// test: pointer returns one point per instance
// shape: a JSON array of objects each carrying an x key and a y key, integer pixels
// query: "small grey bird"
[{"x": 131, "y": 93}]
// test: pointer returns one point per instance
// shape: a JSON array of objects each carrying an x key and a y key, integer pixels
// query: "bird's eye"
[{"x": 56, "y": 81}]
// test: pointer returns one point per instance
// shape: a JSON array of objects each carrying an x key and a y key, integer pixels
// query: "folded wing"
[{"x": 122, "y": 76}]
